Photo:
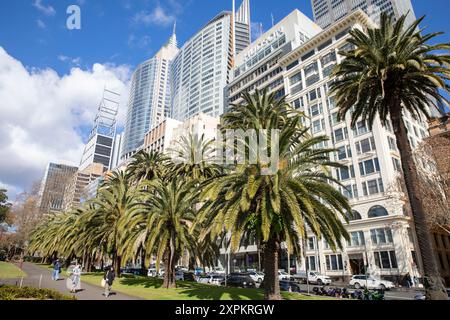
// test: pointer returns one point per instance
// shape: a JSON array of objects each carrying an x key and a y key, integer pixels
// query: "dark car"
[
  {"x": 189, "y": 276},
  {"x": 285, "y": 285},
  {"x": 134, "y": 271},
  {"x": 240, "y": 280}
]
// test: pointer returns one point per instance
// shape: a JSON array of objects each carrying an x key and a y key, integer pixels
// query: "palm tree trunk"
[
  {"x": 169, "y": 274},
  {"x": 117, "y": 263},
  {"x": 271, "y": 283},
  {"x": 432, "y": 280}
]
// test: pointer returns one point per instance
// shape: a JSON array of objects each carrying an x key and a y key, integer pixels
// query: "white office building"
[
  {"x": 326, "y": 12},
  {"x": 201, "y": 70}
]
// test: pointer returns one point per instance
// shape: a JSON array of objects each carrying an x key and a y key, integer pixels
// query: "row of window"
[{"x": 334, "y": 262}]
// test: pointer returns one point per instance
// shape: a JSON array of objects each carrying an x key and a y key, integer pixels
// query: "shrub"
[{"x": 15, "y": 293}]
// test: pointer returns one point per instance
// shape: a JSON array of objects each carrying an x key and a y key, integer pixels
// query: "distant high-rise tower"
[
  {"x": 101, "y": 140},
  {"x": 326, "y": 12},
  {"x": 201, "y": 70},
  {"x": 150, "y": 97},
  {"x": 54, "y": 186},
  {"x": 242, "y": 23}
]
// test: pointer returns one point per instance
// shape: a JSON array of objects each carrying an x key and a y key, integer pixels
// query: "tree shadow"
[{"x": 197, "y": 290}]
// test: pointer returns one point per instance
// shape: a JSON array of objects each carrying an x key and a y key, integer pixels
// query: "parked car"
[
  {"x": 313, "y": 277},
  {"x": 151, "y": 272},
  {"x": 256, "y": 276},
  {"x": 211, "y": 279},
  {"x": 189, "y": 276},
  {"x": 179, "y": 275},
  {"x": 133, "y": 271},
  {"x": 181, "y": 268},
  {"x": 218, "y": 270},
  {"x": 241, "y": 280},
  {"x": 370, "y": 282},
  {"x": 282, "y": 275}
]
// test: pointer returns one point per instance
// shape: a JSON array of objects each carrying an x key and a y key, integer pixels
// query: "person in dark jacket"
[
  {"x": 56, "y": 270},
  {"x": 109, "y": 277}
]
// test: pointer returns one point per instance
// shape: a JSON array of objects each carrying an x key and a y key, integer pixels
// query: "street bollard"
[
  {"x": 40, "y": 281},
  {"x": 21, "y": 283}
]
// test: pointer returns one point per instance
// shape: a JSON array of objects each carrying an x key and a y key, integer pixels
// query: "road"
[
  {"x": 89, "y": 292},
  {"x": 395, "y": 294}
]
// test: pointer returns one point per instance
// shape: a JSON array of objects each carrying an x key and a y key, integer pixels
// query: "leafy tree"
[
  {"x": 394, "y": 70},
  {"x": 277, "y": 207}
]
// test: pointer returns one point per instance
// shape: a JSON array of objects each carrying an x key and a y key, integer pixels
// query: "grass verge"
[
  {"x": 27, "y": 293},
  {"x": 151, "y": 289},
  {"x": 10, "y": 271}
]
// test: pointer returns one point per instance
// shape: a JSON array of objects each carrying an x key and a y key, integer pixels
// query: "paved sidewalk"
[{"x": 89, "y": 292}]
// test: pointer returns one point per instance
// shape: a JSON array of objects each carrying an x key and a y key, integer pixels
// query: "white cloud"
[
  {"x": 41, "y": 24},
  {"x": 73, "y": 61},
  {"x": 138, "y": 42},
  {"x": 42, "y": 113},
  {"x": 157, "y": 17},
  {"x": 47, "y": 10},
  {"x": 257, "y": 30}
]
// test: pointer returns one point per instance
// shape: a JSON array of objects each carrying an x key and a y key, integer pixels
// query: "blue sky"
[
  {"x": 52, "y": 78},
  {"x": 126, "y": 32}
]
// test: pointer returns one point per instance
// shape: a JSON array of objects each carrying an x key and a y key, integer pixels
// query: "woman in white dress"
[{"x": 76, "y": 279}]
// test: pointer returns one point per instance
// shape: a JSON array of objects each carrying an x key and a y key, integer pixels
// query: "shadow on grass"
[{"x": 196, "y": 290}]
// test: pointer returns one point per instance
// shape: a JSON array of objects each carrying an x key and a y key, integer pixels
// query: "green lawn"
[
  {"x": 10, "y": 271},
  {"x": 151, "y": 289}
]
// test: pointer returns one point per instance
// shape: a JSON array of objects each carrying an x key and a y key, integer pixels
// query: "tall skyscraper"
[
  {"x": 54, "y": 186},
  {"x": 326, "y": 12},
  {"x": 150, "y": 97},
  {"x": 242, "y": 29},
  {"x": 101, "y": 139},
  {"x": 201, "y": 70}
]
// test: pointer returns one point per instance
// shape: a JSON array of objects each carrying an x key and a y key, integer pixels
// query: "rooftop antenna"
[
  {"x": 271, "y": 15},
  {"x": 174, "y": 27},
  {"x": 260, "y": 29}
]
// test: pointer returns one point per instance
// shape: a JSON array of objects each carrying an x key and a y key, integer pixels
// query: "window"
[
  {"x": 350, "y": 191},
  {"x": 292, "y": 65},
  {"x": 296, "y": 78},
  {"x": 345, "y": 173},
  {"x": 381, "y": 236},
  {"x": 354, "y": 215},
  {"x": 372, "y": 187},
  {"x": 377, "y": 211},
  {"x": 312, "y": 74},
  {"x": 334, "y": 262},
  {"x": 298, "y": 103},
  {"x": 356, "y": 239},
  {"x": 334, "y": 118},
  {"x": 315, "y": 110},
  {"x": 318, "y": 125},
  {"x": 312, "y": 243},
  {"x": 369, "y": 166},
  {"x": 392, "y": 144},
  {"x": 360, "y": 128},
  {"x": 314, "y": 94},
  {"x": 331, "y": 103},
  {"x": 396, "y": 164},
  {"x": 344, "y": 152},
  {"x": 329, "y": 58},
  {"x": 385, "y": 259},
  {"x": 311, "y": 263},
  {"x": 340, "y": 134},
  {"x": 365, "y": 145}
]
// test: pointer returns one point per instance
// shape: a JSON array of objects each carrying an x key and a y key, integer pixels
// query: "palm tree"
[
  {"x": 392, "y": 70},
  {"x": 116, "y": 199},
  {"x": 164, "y": 225},
  {"x": 278, "y": 207},
  {"x": 193, "y": 158},
  {"x": 146, "y": 166}
]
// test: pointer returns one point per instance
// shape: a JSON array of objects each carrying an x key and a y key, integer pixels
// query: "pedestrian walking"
[
  {"x": 408, "y": 280},
  {"x": 75, "y": 279},
  {"x": 109, "y": 277},
  {"x": 56, "y": 270}
]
